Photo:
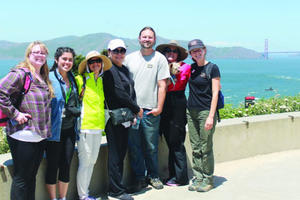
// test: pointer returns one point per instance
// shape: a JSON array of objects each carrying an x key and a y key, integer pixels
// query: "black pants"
[
  {"x": 59, "y": 156},
  {"x": 117, "y": 140},
  {"x": 172, "y": 126},
  {"x": 26, "y": 157}
]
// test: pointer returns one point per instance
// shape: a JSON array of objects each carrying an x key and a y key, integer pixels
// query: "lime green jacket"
[{"x": 92, "y": 111}]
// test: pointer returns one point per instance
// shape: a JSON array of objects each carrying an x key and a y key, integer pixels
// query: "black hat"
[{"x": 195, "y": 44}]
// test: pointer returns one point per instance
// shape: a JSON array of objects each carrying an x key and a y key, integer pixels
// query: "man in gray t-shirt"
[{"x": 149, "y": 70}]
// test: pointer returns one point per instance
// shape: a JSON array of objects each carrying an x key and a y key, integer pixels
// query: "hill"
[{"x": 99, "y": 41}]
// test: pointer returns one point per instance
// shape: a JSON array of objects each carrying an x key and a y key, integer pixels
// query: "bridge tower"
[{"x": 266, "y": 52}]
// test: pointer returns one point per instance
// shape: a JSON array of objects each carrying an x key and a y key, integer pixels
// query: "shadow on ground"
[{"x": 219, "y": 180}]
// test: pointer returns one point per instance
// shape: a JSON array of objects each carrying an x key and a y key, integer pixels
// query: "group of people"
[{"x": 59, "y": 109}]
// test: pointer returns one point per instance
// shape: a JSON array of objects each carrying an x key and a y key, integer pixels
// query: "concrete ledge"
[
  {"x": 234, "y": 139},
  {"x": 249, "y": 136}
]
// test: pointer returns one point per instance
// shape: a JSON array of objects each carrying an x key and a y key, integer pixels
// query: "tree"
[{"x": 78, "y": 60}]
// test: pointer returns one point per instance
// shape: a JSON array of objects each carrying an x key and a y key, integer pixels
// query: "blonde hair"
[{"x": 44, "y": 69}]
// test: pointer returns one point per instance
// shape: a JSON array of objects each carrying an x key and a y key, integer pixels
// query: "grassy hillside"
[{"x": 99, "y": 41}]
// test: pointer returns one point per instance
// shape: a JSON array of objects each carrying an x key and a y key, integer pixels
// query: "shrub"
[
  {"x": 273, "y": 105},
  {"x": 4, "y": 148}
]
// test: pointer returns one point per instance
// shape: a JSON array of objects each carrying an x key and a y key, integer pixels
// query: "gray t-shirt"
[{"x": 146, "y": 71}]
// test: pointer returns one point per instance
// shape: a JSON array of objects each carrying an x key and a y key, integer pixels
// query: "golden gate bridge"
[{"x": 267, "y": 52}]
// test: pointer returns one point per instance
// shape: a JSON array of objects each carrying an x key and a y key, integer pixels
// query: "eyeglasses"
[
  {"x": 168, "y": 50},
  {"x": 121, "y": 51},
  {"x": 38, "y": 53},
  {"x": 94, "y": 61}
]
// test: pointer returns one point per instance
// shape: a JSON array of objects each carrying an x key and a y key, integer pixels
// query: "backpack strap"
[
  {"x": 26, "y": 85},
  {"x": 27, "y": 81},
  {"x": 208, "y": 70}
]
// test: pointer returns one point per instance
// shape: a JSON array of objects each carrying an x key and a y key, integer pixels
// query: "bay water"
[{"x": 242, "y": 77}]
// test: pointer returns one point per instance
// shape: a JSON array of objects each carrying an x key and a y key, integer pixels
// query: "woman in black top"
[
  {"x": 202, "y": 103},
  {"x": 119, "y": 93}
]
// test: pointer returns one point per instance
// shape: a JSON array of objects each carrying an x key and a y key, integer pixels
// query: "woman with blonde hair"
[{"x": 29, "y": 114}]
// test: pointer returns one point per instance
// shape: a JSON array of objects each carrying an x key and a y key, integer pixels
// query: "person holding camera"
[{"x": 65, "y": 110}]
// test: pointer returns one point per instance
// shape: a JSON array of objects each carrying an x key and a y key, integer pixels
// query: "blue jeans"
[{"x": 143, "y": 147}]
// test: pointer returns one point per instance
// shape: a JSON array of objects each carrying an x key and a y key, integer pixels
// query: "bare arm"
[
  {"x": 214, "y": 101},
  {"x": 162, "y": 89}
]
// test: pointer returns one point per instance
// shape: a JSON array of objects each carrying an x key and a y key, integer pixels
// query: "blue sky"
[{"x": 217, "y": 23}]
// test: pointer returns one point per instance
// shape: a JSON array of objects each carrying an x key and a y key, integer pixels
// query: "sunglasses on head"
[
  {"x": 168, "y": 50},
  {"x": 121, "y": 51},
  {"x": 94, "y": 61}
]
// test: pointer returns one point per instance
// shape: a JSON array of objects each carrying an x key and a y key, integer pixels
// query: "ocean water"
[{"x": 242, "y": 77}]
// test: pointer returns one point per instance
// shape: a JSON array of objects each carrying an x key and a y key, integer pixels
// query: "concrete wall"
[
  {"x": 233, "y": 139},
  {"x": 250, "y": 136}
]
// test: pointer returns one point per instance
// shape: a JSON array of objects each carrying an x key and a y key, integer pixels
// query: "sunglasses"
[
  {"x": 94, "y": 61},
  {"x": 168, "y": 50},
  {"x": 121, "y": 51}
]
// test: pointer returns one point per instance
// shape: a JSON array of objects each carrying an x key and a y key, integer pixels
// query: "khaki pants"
[{"x": 202, "y": 145}]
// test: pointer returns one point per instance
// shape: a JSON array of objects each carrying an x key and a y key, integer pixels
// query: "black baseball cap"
[{"x": 195, "y": 44}]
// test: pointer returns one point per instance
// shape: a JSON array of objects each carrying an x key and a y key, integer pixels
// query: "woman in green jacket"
[{"x": 89, "y": 82}]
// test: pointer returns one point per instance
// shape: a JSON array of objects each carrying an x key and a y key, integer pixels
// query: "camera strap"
[{"x": 66, "y": 97}]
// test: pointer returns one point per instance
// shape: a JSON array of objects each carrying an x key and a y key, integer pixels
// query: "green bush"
[
  {"x": 4, "y": 148},
  {"x": 273, "y": 105}
]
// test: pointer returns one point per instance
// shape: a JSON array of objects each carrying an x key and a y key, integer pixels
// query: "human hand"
[
  {"x": 155, "y": 112},
  {"x": 209, "y": 123},
  {"x": 140, "y": 113},
  {"x": 22, "y": 117}
]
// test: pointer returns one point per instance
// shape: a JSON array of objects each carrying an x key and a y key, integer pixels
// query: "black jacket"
[{"x": 119, "y": 89}]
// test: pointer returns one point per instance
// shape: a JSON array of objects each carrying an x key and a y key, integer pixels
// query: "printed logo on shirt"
[
  {"x": 149, "y": 65},
  {"x": 203, "y": 75}
]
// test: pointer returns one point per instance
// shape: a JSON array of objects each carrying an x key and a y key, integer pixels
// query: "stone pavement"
[{"x": 273, "y": 176}]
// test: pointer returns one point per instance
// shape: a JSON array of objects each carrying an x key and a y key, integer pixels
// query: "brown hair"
[{"x": 147, "y": 28}]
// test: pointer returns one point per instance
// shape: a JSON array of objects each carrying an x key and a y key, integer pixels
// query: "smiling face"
[
  {"x": 65, "y": 62},
  {"x": 95, "y": 64},
  {"x": 171, "y": 54},
  {"x": 147, "y": 39},
  {"x": 37, "y": 56},
  {"x": 117, "y": 55},
  {"x": 198, "y": 54}
]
